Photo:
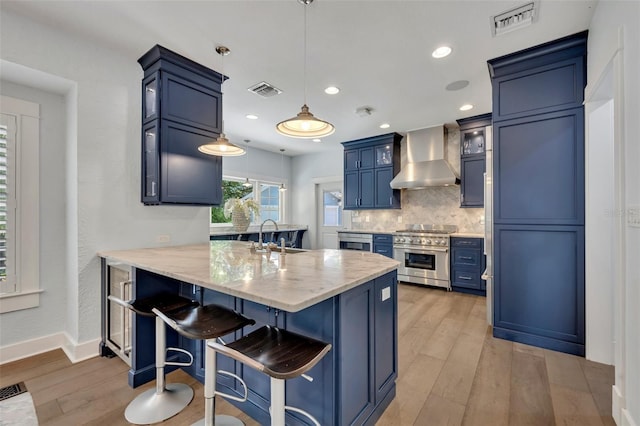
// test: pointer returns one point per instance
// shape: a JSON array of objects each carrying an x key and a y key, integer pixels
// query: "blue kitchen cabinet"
[
  {"x": 355, "y": 380},
  {"x": 369, "y": 166},
  {"x": 383, "y": 244},
  {"x": 467, "y": 264},
  {"x": 538, "y": 192},
  {"x": 472, "y": 159},
  {"x": 371, "y": 327},
  {"x": 181, "y": 110}
]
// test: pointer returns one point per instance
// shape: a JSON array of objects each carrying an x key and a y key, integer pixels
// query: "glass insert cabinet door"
[
  {"x": 384, "y": 155},
  {"x": 473, "y": 141}
]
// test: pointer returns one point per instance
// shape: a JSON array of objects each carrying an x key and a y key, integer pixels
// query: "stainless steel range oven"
[{"x": 423, "y": 253}]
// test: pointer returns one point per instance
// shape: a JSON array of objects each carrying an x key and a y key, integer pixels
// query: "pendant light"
[
  {"x": 282, "y": 187},
  {"x": 247, "y": 183},
  {"x": 305, "y": 125},
  {"x": 221, "y": 146}
]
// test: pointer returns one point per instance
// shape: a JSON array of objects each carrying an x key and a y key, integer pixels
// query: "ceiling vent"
[
  {"x": 264, "y": 89},
  {"x": 514, "y": 19}
]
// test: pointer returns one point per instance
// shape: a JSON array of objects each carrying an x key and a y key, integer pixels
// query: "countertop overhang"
[{"x": 290, "y": 282}]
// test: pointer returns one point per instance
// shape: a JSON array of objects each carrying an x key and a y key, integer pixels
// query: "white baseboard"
[
  {"x": 627, "y": 420},
  {"x": 617, "y": 402},
  {"x": 74, "y": 351}
]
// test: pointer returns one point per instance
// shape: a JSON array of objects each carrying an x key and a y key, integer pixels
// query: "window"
[
  {"x": 268, "y": 197},
  {"x": 19, "y": 204},
  {"x": 269, "y": 201},
  {"x": 332, "y": 208}
]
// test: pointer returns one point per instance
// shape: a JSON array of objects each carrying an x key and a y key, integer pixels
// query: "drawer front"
[
  {"x": 383, "y": 249},
  {"x": 466, "y": 278},
  {"x": 383, "y": 238},
  {"x": 466, "y": 257},
  {"x": 466, "y": 242}
]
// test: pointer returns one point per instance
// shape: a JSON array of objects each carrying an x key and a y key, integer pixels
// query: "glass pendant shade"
[
  {"x": 282, "y": 187},
  {"x": 247, "y": 183},
  {"x": 305, "y": 126},
  {"x": 222, "y": 147}
]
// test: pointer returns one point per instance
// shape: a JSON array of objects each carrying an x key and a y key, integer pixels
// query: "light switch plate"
[{"x": 386, "y": 293}]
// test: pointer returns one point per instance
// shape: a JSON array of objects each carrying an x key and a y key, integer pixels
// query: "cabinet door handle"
[
  {"x": 390, "y": 201},
  {"x": 153, "y": 188},
  {"x": 466, "y": 257},
  {"x": 465, "y": 277}
]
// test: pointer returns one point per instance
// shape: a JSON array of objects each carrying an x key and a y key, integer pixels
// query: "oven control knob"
[
  {"x": 428, "y": 242},
  {"x": 409, "y": 241}
]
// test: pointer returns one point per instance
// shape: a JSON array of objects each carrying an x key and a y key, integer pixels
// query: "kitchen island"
[{"x": 346, "y": 298}]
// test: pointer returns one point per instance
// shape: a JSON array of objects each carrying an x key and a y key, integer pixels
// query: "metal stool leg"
[
  {"x": 210, "y": 369},
  {"x": 277, "y": 402},
  {"x": 165, "y": 401}
]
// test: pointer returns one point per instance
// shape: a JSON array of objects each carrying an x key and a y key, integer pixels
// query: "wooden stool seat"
[
  {"x": 163, "y": 302},
  {"x": 276, "y": 352},
  {"x": 281, "y": 355},
  {"x": 208, "y": 323}
]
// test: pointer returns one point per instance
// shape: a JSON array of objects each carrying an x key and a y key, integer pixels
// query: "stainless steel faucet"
[{"x": 260, "y": 245}]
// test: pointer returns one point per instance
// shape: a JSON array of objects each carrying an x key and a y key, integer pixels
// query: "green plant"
[{"x": 247, "y": 206}]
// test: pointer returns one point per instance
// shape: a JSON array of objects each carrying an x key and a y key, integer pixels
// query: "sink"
[{"x": 287, "y": 250}]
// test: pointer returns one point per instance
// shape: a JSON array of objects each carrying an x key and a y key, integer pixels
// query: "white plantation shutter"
[{"x": 8, "y": 242}]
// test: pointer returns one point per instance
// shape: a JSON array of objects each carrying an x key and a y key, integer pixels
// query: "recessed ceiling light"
[
  {"x": 466, "y": 107},
  {"x": 251, "y": 116},
  {"x": 385, "y": 126},
  {"x": 317, "y": 140},
  {"x": 331, "y": 90},
  {"x": 441, "y": 52}
]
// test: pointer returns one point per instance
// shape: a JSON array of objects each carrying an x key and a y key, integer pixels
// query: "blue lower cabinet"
[
  {"x": 352, "y": 385},
  {"x": 539, "y": 286},
  {"x": 383, "y": 244},
  {"x": 467, "y": 264}
]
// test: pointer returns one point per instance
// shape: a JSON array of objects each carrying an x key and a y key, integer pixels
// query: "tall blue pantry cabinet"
[
  {"x": 181, "y": 110},
  {"x": 538, "y": 170}
]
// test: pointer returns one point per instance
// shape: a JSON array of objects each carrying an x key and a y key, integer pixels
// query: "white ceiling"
[{"x": 377, "y": 52}]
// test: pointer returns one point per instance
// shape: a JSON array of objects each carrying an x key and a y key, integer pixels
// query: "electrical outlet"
[
  {"x": 366, "y": 218},
  {"x": 399, "y": 219},
  {"x": 163, "y": 238}
]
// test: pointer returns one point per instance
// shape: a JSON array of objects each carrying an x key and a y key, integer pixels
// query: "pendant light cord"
[{"x": 305, "y": 52}]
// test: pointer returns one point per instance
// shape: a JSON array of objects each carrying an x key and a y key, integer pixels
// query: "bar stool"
[
  {"x": 281, "y": 355},
  {"x": 209, "y": 323},
  {"x": 166, "y": 400}
]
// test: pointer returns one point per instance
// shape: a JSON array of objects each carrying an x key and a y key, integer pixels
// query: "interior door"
[{"x": 328, "y": 213}]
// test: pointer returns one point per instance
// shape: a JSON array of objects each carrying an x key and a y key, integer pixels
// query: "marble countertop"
[{"x": 291, "y": 282}]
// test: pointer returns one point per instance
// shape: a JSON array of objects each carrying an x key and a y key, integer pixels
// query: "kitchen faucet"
[{"x": 260, "y": 234}]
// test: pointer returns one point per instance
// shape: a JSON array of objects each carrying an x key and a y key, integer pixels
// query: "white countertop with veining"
[{"x": 291, "y": 282}]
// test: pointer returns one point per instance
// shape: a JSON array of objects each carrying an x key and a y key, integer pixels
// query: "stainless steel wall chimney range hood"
[{"x": 426, "y": 164}]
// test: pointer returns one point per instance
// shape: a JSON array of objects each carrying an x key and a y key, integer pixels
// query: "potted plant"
[{"x": 240, "y": 212}]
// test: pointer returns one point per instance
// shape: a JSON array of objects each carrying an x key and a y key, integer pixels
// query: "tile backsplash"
[{"x": 437, "y": 205}]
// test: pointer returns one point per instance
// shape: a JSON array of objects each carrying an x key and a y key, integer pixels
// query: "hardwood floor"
[{"x": 452, "y": 372}]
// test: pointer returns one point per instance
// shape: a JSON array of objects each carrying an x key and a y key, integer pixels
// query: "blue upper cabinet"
[
  {"x": 541, "y": 79},
  {"x": 181, "y": 110},
  {"x": 369, "y": 166},
  {"x": 473, "y": 134},
  {"x": 538, "y": 193}
]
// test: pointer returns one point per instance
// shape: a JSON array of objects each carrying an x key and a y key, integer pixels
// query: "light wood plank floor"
[{"x": 452, "y": 372}]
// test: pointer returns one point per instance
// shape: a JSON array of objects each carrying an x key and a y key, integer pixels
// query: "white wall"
[
  {"x": 306, "y": 171},
  {"x": 50, "y": 315},
  {"x": 103, "y": 187},
  {"x": 614, "y": 37}
]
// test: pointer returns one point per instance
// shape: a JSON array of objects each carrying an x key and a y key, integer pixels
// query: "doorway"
[{"x": 328, "y": 214}]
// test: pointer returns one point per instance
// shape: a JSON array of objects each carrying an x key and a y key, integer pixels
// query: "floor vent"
[
  {"x": 514, "y": 19},
  {"x": 13, "y": 390},
  {"x": 264, "y": 89}
]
